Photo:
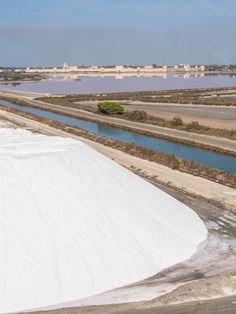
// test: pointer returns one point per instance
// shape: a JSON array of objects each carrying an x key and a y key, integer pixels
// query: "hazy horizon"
[{"x": 101, "y": 32}]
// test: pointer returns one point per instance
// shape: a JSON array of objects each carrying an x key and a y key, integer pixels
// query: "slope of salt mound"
[{"x": 73, "y": 223}]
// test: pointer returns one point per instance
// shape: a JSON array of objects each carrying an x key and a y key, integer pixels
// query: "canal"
[{"x": 202, "y": 156}]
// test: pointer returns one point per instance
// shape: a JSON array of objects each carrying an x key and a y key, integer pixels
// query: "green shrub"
[
  {"x": 110, "y": 108},
  {"x": 177, "y": 121}
]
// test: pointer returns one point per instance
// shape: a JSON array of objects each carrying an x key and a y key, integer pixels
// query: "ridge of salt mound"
[{"x": 73, "y": 223}]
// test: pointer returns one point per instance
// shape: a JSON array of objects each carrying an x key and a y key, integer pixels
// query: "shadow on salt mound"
[{"x": 73, "y": 223}]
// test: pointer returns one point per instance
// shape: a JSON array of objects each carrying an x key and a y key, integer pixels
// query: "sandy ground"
[
  {"x": 215, "y": 117},
  {"x": 186, "y": 182},
  {"x": 200, "y": 138},
  {"x": 14, "y": 93},
  {"x": 210, "y": 273},
  {"x": 222, "y": 117}
]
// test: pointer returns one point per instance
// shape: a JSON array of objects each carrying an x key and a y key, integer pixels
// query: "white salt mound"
[{"x": 73, "y": 223}]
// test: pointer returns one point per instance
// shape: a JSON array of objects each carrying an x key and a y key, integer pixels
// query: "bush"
[
  {"x": 137, "y": 115},
  {"x": 177, "y": 121},
  {"x": 174, "y": 163},
  {"x": 194, "y": 125},
  {"x": 110, "y": 108}
]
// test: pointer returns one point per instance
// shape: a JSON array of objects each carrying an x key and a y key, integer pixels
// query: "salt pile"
[{"x": 73, "y": 223}]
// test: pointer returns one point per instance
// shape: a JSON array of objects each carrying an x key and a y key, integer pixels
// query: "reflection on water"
[
  {"x": 87, "y": 85},
  {"x": 207, "y": 158}
]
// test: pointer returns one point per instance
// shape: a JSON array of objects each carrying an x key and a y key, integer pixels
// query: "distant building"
[
  {"x": 187, "y": 68},
  {"x": 118, "y": 69},
  {"x": 68, "y": 68},
  {"x": 202, "y": 68},
  {"x": 165, "y": 68}
]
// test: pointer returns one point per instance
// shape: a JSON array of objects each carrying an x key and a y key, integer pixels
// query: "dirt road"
[
  {"x": 215, "y": 117},
  {"x": 204, "y": 139},
  {"x": 199, "y": 138},
  {"x": 20, "y": 94},
  {"x": 180, "y": 180},
  {"x": 223, "y": 117}
]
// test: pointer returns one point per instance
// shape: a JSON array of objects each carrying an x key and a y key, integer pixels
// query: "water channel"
[{"x": 205, "y": 157}]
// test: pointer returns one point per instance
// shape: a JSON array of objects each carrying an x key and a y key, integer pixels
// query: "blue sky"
[{"x": 47, "y": 32}]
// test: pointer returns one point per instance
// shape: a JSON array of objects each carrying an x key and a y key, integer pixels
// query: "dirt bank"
[
  {"x": 186, "y": 182},
  {"x": 210, "y": 273}
]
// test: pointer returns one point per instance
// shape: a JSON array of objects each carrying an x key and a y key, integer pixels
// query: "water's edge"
[{"x": 199, "y": 155}]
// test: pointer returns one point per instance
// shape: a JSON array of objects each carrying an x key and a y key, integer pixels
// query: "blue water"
[{"x": 207, "y": 158}]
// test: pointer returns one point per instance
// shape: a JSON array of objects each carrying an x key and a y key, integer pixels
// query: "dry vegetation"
[
  {"x": 16, "y": 77},
  {"x": 219, "y": 96},
  {"x": 142, "y": 116},
  {"x": 139, "y": 131},
  {"x": 171, "y": 161}
]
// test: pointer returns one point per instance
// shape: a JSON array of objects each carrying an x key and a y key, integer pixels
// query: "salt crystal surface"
[{"x": 73, "y": 223}]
